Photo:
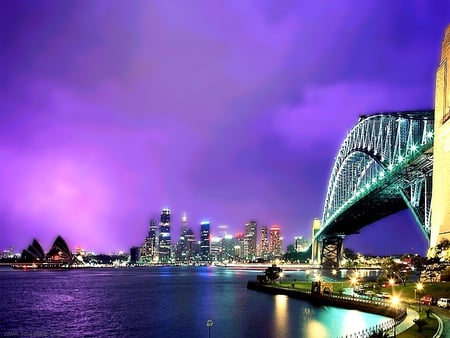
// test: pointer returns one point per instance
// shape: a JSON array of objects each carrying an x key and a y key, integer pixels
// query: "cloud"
[{"x": 320, "y": 109}]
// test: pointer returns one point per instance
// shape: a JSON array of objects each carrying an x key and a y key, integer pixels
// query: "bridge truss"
[{"x": 384, "y": 165}]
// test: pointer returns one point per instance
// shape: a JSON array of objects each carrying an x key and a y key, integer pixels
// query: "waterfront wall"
[{"x": 365, "y": 305}]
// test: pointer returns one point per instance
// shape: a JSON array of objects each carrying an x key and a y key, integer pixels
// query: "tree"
[
  {"x": 437, "y": 261},
  {"x": 273, "y": 273},
  {"x": 418, "y": 262},
  {"x": 396, "y": 271},
  {"x": 420, "y": 323},
  {"x": 291, "y": 248}
]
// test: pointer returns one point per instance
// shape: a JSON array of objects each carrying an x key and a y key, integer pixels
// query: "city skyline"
[{"x": 230, "y": 112}]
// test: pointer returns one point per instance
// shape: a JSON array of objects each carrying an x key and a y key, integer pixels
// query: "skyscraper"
[
  {"x": 228, "y": 248},
  {"x": 181, "y": 249},
  {"x": 191, "y": 245},
  {"x": 149, "y": 251},
  {"x": 275, "y": 241},
  {"x": 241, "y": 246},
  {"x": 264, "y": 246},
  {"x": 205, "y": 243},
  {"x": 164, "y": 237},
  {"x": 250, "y": 236},
  {"x": 301, "y": 244}
]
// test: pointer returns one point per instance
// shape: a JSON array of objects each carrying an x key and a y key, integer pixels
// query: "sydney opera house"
[{"x": 58, "y": 257}]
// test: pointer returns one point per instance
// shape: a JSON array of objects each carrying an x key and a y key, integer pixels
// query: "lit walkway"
[{"x": 407, "y": 322}]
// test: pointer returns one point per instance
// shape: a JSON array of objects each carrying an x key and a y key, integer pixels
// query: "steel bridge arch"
[{"x": 384, "y": 153}]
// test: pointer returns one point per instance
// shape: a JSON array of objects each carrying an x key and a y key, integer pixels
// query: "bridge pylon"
[
  {"x": 332, "y": 248},
  {"x": 440, "y": 204},
  {"x": 315, "y": 243}
]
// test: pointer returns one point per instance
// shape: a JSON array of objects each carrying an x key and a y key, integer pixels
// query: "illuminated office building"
[
  {"x": 275, "y": 241},
  {"x": 228, "y": 245},
  {"x": 250, "y": 237},
  {"x": 205, "y": 241},
  {"x": 181, "y": 247},
  {"x": 149, "y": 250},
  {"x": 301, "y": 244},
  {"x": 164, "y": 237},
  {"x": 264, "y": 249}
]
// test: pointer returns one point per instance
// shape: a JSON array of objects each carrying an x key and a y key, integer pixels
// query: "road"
[{"x": 444, "y": 314}]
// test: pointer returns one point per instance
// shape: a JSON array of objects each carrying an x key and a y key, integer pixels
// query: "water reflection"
[
  {"x": 164, "y": 302},
  {"x": 316, "y": 329},
  {"x": 281, "y": 315}
]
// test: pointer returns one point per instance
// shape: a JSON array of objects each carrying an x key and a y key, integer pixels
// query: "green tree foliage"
[
  {"x": 420, "y": 323},
  {"x": 297, "y": 257},
  {"x": 437, "y": 261},
  {"x": 291, "y": 248},
  {"x": 273, "y": 273},
  {"x": 418, "y": 262},
  {"x": 392, "y": 270}
]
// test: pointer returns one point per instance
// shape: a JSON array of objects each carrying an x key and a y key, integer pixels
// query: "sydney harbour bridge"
[
  {"x": 389, "y": 162},
  {"x": 384, "y": 165}
]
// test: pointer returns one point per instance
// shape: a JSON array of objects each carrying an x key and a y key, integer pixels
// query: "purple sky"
[{"x": 225, "y": 110}]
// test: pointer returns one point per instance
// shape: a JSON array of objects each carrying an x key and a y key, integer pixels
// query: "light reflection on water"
[
  {"x": 280, "y": 316},
  {"x": 161, "y": 302}
]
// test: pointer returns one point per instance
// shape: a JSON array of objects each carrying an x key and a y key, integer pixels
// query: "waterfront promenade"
[
  {"x": 347, "y": 302},
  {"x": 404, "y": 317}
]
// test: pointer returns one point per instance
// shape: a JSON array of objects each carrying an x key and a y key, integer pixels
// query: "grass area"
[{"x": 427, "y": 331}]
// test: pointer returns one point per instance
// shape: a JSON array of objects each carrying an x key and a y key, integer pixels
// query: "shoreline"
[{"x": 376, "y": 307}]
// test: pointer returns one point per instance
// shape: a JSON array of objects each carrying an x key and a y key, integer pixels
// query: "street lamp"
[
  {"x": 395, "y": 302},
  {"x": 419, "y": 288},
  {"x": 353, "y": 282},
  {"x": 209, "y": 323},
  {"x": 392, "y": 282},
  {"x": 334, "y": 272}
]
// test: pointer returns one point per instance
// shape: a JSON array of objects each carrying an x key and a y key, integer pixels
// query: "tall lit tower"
[
  {"x": 250, "y": 236},
  {"x": 205, "y": 240},
  {"x": 275, "y": 241},
  {"x": 181, "y": 248},
  {"x": 149, "y": 250},
  {"x": 265, "y": 248},
  {"x": 164, "y": 236},
  {"x": 440, "y": 204}
]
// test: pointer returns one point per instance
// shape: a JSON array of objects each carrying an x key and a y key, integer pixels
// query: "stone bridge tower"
[{"x": 440, "y": 204}]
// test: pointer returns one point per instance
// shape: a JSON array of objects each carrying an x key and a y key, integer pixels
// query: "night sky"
[{"x": 225, "y": 110}]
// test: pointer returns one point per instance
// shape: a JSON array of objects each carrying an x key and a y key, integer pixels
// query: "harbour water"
[{"x": 161, "y": 302}]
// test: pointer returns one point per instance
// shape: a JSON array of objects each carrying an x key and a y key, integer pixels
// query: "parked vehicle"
[
  {"x": 370, "y": 293},
  {"x": 426, "y": 300},
  {"x": 443, "y": 302},
  {"x": 383, "y": 295}
]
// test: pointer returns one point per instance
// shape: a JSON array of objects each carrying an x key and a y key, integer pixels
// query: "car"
[
  {"x": 370, "y": 293},
  {"x": 443, "y": 302},
  {"x": 426, "y": 300},
  {"x": 383, "y": 295}
]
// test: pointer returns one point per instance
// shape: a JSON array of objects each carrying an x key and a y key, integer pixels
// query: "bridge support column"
[
  {"x": 440, "y": 205},
  {"x": 332, "y": 248},
  {"x": 315, "y": 244}
]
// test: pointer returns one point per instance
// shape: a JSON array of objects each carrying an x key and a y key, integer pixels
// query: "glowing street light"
[
  {"x": 353, "y": 282},
  {"x": 209, "y": 323},
  {"x": 419, "y": 287},
  {"x": 395, "y": 302},
  {"x": 392, "y": 282}
]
